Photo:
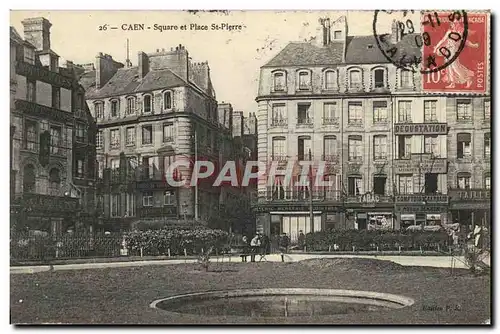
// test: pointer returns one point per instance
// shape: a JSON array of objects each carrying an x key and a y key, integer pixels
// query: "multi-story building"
[
  {"x": 385, "y": 142},
  {"x": 148, "y": 116},
  {"x": 52, "y": 152}
]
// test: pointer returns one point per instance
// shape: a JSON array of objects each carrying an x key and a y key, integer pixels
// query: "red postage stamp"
[{"x": 462, "y": 44}]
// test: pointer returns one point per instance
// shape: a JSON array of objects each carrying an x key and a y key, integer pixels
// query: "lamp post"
[{"x": 311, "y": 212}]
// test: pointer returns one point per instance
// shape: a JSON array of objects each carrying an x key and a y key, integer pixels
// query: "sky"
[{"x": 234, "y": 57}]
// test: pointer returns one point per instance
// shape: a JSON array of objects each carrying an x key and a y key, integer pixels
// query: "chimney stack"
[
  {"x": 37, "y": 32},
  {"x": 395, "y": 32},
  {"x": 143, "y": 64}
]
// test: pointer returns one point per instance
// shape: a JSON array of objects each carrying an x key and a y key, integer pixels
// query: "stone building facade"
[
  {"x": 52, "y": 137},
  {"x": 149, "y": 116},
  {"x": 385, "y": 142}
]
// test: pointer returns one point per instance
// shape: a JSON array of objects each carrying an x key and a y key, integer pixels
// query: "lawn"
[{"x": 123, "y": 295}]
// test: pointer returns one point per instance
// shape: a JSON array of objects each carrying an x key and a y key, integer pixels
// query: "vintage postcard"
[{"x": 250, "y": 167}]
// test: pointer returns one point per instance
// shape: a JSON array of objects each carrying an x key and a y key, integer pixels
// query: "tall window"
[
  {"x": 304, "y": 148},
  {"x": 379, "y": 111},
  {"x": 330, "y": 80},
  {"x": 487, "y": 110},
  {"x": 464, "y": 110},
  {"x": 279, "y": 150},
  {"x": 304, "y": 80},
  {"x": 56, "y": 97},
  {"x": 31, "y": 91},
  {"x": 278, "y": 114},
  {"x": 168, "y": 198},
  {"x": 379, "y": 78},
  {"x": 54, "y": 182},
  {"x": 130, "y": 204},
  {"x": 130, "y": 134},
  {"x": 99, "y": 143},
  {"x": 430, "y": 111},
  {"x": 279, "y": 81},
  {"x": 29, "y": 179},
  {"x": 355, "y": 148},
  {"x": 330, "y": 148},
  {"x": 431, "y": 145},
  {"x": 404, "y": 147},
  {"x": 330, "y": 115},
  {"x": 487, "y": 145},
  {"x": 30, "y": 135},
  {"x": 406, "y": 78},
  {"x": 115, "y": 164},
  {"x": 404, "y": 111},
  {"x": 405, "y": 184},
  {"x": 379, "y": 182},
  {"x": 81, "y": 132},
  {"x": 354, "y": 112},
  {"x": 278, "y": 188},
  {"x": 303, "y": 116},
  {"x": 55, "y": 139},
  {"x": 148, "y": 106},
  {"x": 115, "y": 138},
  {"x": 464, "y": 145},
  {"x": 463, "y": 180},
  {"x": 147, "y": 198},
  {"x": 79, "y": 166},
  {"x": 167, "y": 100},
  {"x": 99, "y": 109},
  {"x": 354, "y": 185},
  {"x": 168, "y": 132},
  {"x": 115, "y": 204},
  {"x": 380, "y": 147},
  {"x": 487, "y": 181},
  {"x": 131, "y": 105},
  {"x": 114, "y": 108},
  {"x": 147, "y": 134},
  {"x": 355, "y": 79}
]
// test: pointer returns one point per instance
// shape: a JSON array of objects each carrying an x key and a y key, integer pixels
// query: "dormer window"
[
  {"x": 167, "y": 100},
  {"x": 99, "y": 109},
  {"x": 304, "y": 80},
  {"x": 279, "y": 81},
  {"x": 406, "y": 79},
  {"x": 330, "y": 80},
  {"x": 115, "y": 107},
  {"x": 131, "y": 105},
  {"x": 147, "y": 104},
  {"x": 355, "y": 81},
  {"x": 378, "y": 78}
]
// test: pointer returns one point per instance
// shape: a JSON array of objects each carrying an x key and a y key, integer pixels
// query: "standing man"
[
  {"x": 255, "y": 247},
  {"x": 284, "y": 242},
  {"x": 302, "y": 240}
]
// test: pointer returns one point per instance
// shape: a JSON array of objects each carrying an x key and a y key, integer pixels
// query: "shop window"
[
  {"x": 463, "y": 145},
  {"x": 379, "y": 182},
  {"x": 431, "y": 183}
]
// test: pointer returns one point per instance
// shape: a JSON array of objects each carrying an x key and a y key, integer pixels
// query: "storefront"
[
  {"x": 471, "y": 207},
  {"x": 421, "y": 210},
  {"x": 370, "y": 211},
  {"x": 50, "y": 214}
]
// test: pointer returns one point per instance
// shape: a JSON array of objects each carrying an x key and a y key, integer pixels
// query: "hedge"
[
  {"x": 159, "y": 242},
  {"x": 366, "y": 240}
]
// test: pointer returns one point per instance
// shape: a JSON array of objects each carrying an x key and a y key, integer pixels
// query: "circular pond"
[{"x": 281, "y": 302}]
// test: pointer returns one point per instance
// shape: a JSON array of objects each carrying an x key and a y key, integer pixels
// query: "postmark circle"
[{"x": 427, "y": 62}]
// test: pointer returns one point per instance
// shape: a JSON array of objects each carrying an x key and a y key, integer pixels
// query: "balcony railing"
[
  {"x": 330, "y": 157},
  {"x": 279, "y": 157},
  {"x": 279, "y": 122},
  {"x": 330, "y": 121},
  {"x": 308, "y": 121}
]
